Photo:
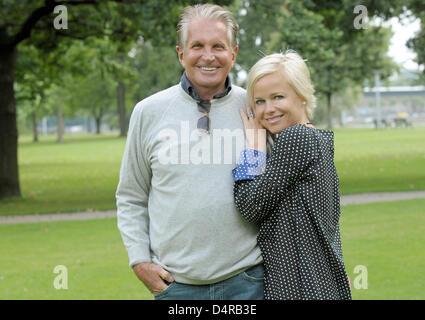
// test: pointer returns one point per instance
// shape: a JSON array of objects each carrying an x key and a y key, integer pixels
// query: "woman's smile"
[{"x": 277, "y": 106}]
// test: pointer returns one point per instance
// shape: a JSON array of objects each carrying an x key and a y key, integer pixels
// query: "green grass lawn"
[
  {"x": 92, "y": 252},
  {"x": 82, "y": 173},
  {"x": 386, "y": 238},
  {"x": 391, "y": 159}
]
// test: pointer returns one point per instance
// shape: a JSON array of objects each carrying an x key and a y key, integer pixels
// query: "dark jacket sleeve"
[{"x": 292, "y": 154}]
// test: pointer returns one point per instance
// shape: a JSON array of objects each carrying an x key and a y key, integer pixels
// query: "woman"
[{"x": 294, "y": 193}]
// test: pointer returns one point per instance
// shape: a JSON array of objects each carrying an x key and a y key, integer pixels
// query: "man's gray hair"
[{"x": 211, "y": 11}]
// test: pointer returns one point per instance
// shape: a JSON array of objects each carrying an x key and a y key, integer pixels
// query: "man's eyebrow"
[
  {"x": 195, "y": 42},
  {"x": 215, "y": 43}
]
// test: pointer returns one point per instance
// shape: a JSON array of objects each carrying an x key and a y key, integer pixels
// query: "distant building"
[{"x": 400, "y": 106}]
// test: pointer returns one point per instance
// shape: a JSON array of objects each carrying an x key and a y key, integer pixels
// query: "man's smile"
[{"x": 208, "y": 68}]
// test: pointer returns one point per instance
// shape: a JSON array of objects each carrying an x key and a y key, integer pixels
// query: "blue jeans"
[{"x": 248, "y": 285}]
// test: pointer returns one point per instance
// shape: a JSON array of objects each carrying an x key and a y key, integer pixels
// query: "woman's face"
[{"x": 277, "y": 106}]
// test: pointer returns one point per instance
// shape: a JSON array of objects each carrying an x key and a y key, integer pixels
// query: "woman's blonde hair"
[{"x": 294, "y": 69}]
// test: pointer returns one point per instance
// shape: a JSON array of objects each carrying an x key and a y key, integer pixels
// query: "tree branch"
[
  {"x": 31, "y": 21},
  {"x": 39, "y": 13}
]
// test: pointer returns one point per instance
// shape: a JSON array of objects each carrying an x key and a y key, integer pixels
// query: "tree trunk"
[
  {"x": 98, "y": 122},
  {"x": 121, "y": 108},
  {"x": 98, "y": 118},
  {"x": 60, "y": 124},
  {"x": 9, "y": 177},
  {"x": 34, "y": 127},
  {"x": 329, "y": 98}
]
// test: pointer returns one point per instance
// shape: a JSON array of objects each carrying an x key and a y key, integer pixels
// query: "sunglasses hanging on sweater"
[{"x": 204, "y": 123}]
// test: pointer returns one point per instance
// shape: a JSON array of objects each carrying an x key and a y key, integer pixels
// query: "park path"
[{"x": 345, "y": 200}]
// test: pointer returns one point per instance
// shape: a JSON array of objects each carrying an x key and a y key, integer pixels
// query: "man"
[{"x": 176, "y": 214}]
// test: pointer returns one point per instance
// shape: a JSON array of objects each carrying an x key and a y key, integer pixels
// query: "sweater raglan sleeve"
[
  {"x": 257, "y": 196},
  {"x": 133, "y": 193}
]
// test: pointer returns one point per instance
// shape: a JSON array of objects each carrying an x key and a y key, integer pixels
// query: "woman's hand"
[{"x": 255, "y": 132}]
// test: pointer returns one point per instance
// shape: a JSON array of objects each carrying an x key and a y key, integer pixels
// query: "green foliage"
[
  {"x": 338, "y": 55},
  {"x": 157, "y": 68},
  {"x": 33, "y": 75},
  {"x": 14, "y": 13},
  {"x": 256, "y": 23},
  {"x": 417, "y": 44},
  {"x": 341, "y": 101},
  {"x": 122, "y": 21},
  {"x": 57, "y": 65},
  {"x": 93, "y": 95}
]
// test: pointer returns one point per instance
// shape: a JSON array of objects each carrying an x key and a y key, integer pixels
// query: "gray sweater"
[{"x": 175, "y": 194}]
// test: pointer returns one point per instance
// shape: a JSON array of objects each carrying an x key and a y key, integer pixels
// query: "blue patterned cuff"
[{"x": 251, "y": 164}]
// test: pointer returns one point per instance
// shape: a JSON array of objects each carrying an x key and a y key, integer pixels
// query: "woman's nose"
[{"x": 269, "y": 108}]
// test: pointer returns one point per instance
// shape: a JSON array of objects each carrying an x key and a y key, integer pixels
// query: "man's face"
[{"x": 207, "y": 56}]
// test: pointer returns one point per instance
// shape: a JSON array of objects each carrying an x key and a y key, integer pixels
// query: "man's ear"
[
  {"x": 235, "y": 53},
  {"x": 180, "y": 54}
]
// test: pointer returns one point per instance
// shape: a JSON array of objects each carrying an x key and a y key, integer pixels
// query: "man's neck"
[
  {"x": 205, "y": 93},
  {"x": 209, "y": 93}
]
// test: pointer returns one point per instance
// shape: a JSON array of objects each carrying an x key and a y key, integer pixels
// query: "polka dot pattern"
[{"x": 296, "y": 202}]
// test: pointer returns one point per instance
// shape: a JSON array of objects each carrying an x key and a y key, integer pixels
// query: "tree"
[
  {"x": 92, "y": 95},
  {"x": 157, "y": 67},
  {"x": 31, "y": 82},
  {"x": 33, "y": 20},
  {"x": 257, "y": 22},
  {"x": 417, "y": 42},
  {"x": 338, "y": 55},
  {"x": 116, "y": 62}
]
